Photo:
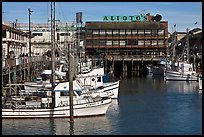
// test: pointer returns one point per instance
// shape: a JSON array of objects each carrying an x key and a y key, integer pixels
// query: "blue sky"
[{"x": 183, "y": 14}]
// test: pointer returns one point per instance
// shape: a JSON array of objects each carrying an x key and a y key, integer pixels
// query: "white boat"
[
  {"x": 200, "y": 84},
  {"x": 83, "y": 105},
  {"x": 109, "y": 89},
  {"x": 34, "y": 86},
  {"x": 96, "y": 80},
  {"x": 43, "y": 81},
  {"x": 184, "y": 73}
]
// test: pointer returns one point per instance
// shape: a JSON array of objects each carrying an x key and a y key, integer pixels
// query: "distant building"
[
  {"x": 14, "y": 44},
  {"x": 65, "y": 34},
  {"x": 41, "y": 43}
]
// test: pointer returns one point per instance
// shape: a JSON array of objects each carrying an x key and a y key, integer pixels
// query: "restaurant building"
[{"x": 125, "y": 37}]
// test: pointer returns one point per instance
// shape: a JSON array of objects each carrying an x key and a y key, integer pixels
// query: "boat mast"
[
  {"x": 53, "y": 53},
  {"x": 187, "y": 45},
  {"x": 174, "y": 42}
]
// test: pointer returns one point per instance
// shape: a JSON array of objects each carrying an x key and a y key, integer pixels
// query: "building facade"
[
  {"x": 14, "y": 43},
  {"x": 126, "y": 38}
]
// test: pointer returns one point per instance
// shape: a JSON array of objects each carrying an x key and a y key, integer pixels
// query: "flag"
[{"x": 196, "y": 22}]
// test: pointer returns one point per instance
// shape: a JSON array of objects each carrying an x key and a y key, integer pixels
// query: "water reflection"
[
  {"x": 82, "y": 126},
  {"x": 182, "y": 86},
  {"x": 27, "y": 127},
  {"x": 142, "y": 85},
  {"x": 99, "y": 125}
]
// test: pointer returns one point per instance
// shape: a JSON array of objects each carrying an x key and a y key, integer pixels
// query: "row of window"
[
  {"x": 125, "y": 42},
  {"x": 12, "y": 35},
  {"x": 61, "y": 34},
  {"x": 150, "y": 32}
]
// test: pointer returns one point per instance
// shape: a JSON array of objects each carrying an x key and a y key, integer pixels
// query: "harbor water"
[{"x": 146, "y": 106}]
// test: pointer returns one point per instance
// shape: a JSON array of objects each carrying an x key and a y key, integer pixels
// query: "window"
[
  {"x": 154, "y": 42},
  {"x": 98, "y": 79},
  {"x": 102, "y": 32},
  {"x": 122, "y": 42},
  {"x": 141, "y": 42},
  {"x": 131, "y": 42},
  {"x": 3, "y": 33},
  {"x": 160, "y": 32},
  {"x": 128, "y": 32},
  {"x": 102, "y": 43},
  {"x": 37, "y": 34},
  {"x": 147, "y": 43},
  {"x": 122, "y": 32},
  {"x": 148, "y": 32},
  {"x": 134, "y": 32},
  {"x": 109, "y": 32},
  {"x": 95, "y": 32},
  {"x": 95, "y": 42},
  {"x": 115, "y": 32},
  {"x": 154, "y": 32},
  {"x": 160, "y": 42},
  {"x": 108, "y": 43},
  {"x": 89, "y": 33},
  {"x": 140, "y": 32},
  {"x": 116, "y": 43},
  {"x": 64, "y": 94}
]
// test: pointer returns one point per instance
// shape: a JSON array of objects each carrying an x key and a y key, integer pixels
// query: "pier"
[
  {"x": 15, "y": 73},
  {"x": 128, "y": 64}
]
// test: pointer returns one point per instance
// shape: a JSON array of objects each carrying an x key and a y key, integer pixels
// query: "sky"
[{"x": 182, "y": 15}]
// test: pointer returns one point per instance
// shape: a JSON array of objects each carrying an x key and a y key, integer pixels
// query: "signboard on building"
[{"x": 125, "y": 18}]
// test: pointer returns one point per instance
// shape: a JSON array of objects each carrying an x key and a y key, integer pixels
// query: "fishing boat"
[
  {"x": 41, "y": 107},
  {"x": 184, "y": 70},
  {"x": 99, "y": 82},
  {"x": 184, "y": 73}
]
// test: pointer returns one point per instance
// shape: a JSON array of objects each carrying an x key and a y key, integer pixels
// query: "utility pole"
[
  {"x": 71, "y": 76},
  {"x": 29, "y": 73}
]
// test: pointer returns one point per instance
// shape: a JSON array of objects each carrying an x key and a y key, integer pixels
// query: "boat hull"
[
  {"x": 82, "y": 110},
  {"x": 200, "y": 83},
  {"x": 180, "y": 77},
  {"x": 109, "y": 88},
  {"x": 33, "y": 86},
  {"x": 112, "y": 89}
]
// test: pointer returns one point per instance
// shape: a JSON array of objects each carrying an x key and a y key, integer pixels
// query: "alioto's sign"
[{"x": 125, "y": 18}]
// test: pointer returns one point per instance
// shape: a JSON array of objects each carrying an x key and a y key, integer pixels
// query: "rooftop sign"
[{"x": 125, "y": 18}]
